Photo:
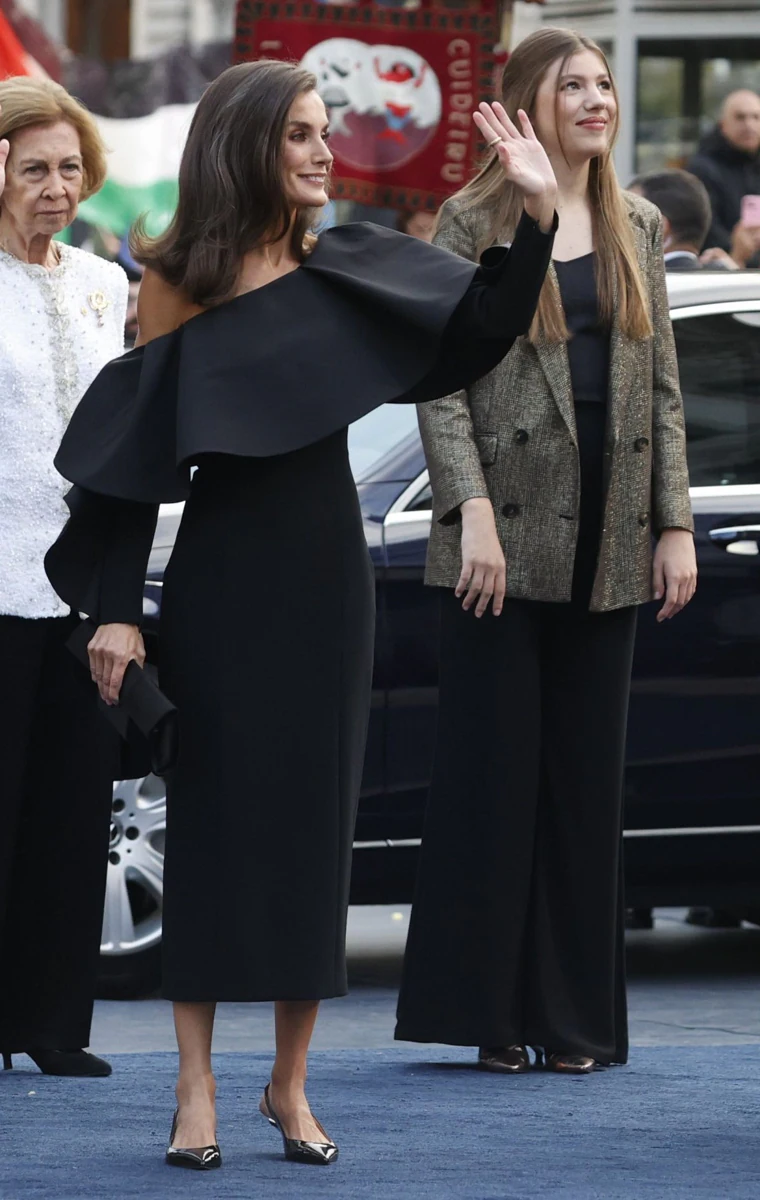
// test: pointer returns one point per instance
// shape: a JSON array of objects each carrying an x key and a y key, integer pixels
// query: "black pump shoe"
[
  {"x": 64, "y": 1062},
  {"x": 320, "y": 1154},
  {"x": 506, "y": 1060},
  {"x": 194, "y": 1158}
]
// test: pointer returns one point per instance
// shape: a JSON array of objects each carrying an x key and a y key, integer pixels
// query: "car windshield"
[{"x": 377, "y": 433}]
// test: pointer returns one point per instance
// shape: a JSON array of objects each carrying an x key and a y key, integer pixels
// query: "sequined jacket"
[
  {"x": 512, "y": 437},
  {"x": 58, "y": 328}
]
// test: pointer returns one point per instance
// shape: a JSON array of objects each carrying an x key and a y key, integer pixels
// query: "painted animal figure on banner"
[{"x": 384, "y": 101}]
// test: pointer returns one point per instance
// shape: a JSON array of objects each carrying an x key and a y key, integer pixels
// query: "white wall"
[
  {"x": 51, "y": 14},
  {"x": 157, "y": 25}
]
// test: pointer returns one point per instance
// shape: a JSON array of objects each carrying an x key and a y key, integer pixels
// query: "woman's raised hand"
[
  {"x": 111, "y": 650},
  {"x": 523, "y": 159},
  {"x": 5, "y": 149}
]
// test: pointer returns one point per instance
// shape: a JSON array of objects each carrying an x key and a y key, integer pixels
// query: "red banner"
[
  {"x": 400, "y": 85},
  {"x": 13, "y": 58}
]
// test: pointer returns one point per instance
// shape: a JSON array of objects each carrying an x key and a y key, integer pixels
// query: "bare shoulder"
[{"x": 161, "y": 308}]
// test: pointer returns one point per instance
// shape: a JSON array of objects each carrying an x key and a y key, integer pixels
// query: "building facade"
[
  {"x": 674, "y": 61},
  {"x": 115, "y": 29}
]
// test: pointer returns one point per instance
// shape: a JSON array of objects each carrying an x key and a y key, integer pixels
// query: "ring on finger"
[{"x": 494, "y": 142}]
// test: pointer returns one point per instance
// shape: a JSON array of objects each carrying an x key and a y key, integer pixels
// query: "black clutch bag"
[{"x": 144, "y": 718}]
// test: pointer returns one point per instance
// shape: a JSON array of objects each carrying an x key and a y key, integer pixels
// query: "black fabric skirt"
[
  {"x": 267, "y": 633},
  {"x": 58, "y": 756}
]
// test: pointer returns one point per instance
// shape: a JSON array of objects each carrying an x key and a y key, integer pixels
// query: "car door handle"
[{"x": 738, "y": 539}]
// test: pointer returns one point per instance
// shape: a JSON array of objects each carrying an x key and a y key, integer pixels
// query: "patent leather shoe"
[
  {"x": 64, "y": 1062},
  {"x": 564, "y": 1064},
  {"x": 506, "y": 1060},
  {"x": 319, "y": 1154},
  {"x": 193, "y": 1158}
]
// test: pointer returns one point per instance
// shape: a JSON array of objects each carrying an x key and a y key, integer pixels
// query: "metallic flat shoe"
[
  {"x": 564, "y": 1064},
  {"x": 79, "y": 1063},
  {"x": 318, "y": 1154},
  {"x": 507, "y": 1060},
  {"x": 195, "y": 1158}
]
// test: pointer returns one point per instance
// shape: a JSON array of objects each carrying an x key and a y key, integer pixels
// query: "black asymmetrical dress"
[{"x": 267, "y": 620}]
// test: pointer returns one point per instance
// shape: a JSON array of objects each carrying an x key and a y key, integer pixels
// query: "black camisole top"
[{"x": 589, "y": 346}]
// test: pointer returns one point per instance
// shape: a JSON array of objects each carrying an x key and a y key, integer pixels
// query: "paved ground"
[{"x": 687, "y": 987}]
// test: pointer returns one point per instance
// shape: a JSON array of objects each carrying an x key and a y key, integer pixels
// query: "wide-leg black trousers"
[
  {"x": 57, "y": 755},
  {"x": 517, "y": 928}
]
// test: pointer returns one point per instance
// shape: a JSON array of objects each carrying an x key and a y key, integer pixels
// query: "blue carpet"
[{"x": 414, "y": 1123}]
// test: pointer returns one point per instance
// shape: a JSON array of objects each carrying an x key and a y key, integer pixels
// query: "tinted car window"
[
  {"x": 423, "y": 502},
  {"x": 719, "y": 363}
]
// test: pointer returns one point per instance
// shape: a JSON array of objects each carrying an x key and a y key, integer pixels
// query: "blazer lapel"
[
  {"x": 556, "y": 367},
  {"x": 622, "y": 352}
]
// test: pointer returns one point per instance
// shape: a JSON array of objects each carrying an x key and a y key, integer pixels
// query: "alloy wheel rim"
[{"x": 132, "y": 915}]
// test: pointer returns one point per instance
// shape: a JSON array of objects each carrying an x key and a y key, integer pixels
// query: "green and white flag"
[
  {"x": 143, "y": 165},
  {"x": 144, "y": 109}
]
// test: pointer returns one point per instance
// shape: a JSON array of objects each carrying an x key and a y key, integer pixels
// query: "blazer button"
[
  {"x": 522, "y": 436},
  {"x": 510, "y": 510},
  {"x": 641, "y": 444},
  {"x": 643, "y": 520}
]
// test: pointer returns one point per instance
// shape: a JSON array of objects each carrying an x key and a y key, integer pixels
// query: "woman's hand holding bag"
[{"x": 111, "y": 650}]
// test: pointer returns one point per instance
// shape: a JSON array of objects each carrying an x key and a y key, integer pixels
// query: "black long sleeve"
[
  {"x": 98, "y": 563},
  {"x": 498, "y": 307},
  {"x": 128, "y": 544},
  {"x": 502, "y": 298}
]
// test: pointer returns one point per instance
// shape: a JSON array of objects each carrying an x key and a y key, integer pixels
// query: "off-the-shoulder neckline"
[{"x": 327, "y": 234}]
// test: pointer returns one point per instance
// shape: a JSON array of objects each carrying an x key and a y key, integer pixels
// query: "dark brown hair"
[
  {"x": 621, "y": 287},
  {"x": 680, "y": 197},
  {"x": 231, "y": 197}
]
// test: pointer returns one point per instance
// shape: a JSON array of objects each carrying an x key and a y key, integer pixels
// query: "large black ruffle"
[
  {"x": 358, "y": 325},
  {"x": 371, "y": 317}
]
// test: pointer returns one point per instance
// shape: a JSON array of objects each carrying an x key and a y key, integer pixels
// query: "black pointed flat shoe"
[
  {"x": 78, "y": 1063},
  {"x": 193, "y": 1158},
  {"x": 505, "y": 1060},
  {"x": 318, "y": 1154}
]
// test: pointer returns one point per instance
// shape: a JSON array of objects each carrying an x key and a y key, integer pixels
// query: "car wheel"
[{"x": 130, "y": 951}]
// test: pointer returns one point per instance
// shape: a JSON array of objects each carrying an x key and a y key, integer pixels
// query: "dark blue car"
[{"x": 693, "y": 776}]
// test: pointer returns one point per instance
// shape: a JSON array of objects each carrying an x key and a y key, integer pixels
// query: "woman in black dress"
[
  {"x": 549, "y": 477},
  {"x": 263, "y": 343}
]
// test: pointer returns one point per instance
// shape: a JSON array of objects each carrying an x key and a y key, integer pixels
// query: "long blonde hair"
[{"x": 619, "y": 281}]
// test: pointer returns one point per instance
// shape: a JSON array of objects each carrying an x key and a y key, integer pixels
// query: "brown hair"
[
  {"x": 26, "y": 102},
  {"x": 618, "y": 277},
  {"x": 231, "y": 197}
]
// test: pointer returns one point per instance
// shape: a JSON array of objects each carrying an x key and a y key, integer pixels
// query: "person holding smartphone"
[{"x": 728, "y": 163}]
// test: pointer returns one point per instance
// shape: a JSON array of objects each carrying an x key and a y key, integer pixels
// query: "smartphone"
[{"x": 750, "y": 212}]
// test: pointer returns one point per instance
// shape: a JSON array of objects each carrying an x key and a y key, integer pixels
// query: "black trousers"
[
  {"x": 517, "y": 927},
  {"x": 57, "y": 754}
]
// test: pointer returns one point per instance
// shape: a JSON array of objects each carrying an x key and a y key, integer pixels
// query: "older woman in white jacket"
[{"x": 62, "y": 319}]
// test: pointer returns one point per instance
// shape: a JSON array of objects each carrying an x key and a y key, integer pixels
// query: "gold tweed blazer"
[{"x": 512, "y": 437}]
